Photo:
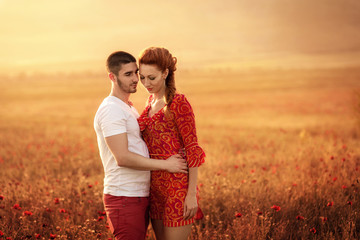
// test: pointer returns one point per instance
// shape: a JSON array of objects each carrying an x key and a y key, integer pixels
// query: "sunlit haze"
[{"x": 62, "y": 36}]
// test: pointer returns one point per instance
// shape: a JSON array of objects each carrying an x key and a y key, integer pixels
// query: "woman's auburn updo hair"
[{"x": 162, "y": 58}]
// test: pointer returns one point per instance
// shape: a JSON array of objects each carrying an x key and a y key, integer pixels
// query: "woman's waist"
[
  {"x": 160, "y": 177},
  {"x": 166, "y": 155}
]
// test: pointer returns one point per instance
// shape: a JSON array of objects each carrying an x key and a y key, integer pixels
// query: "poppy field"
[{"x": 282, "y": 146}]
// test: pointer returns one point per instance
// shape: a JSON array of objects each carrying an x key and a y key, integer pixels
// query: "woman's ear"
[{"x": 165, "y": 73}]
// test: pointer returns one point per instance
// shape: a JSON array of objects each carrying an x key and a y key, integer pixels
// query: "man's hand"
[{"x": 176, "y": 164}]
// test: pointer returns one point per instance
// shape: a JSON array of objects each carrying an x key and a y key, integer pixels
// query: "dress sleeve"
[{"x": 185, "y": 121}]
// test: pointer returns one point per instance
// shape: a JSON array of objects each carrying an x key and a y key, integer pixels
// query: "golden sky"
[{"x": 48, "y": 35}]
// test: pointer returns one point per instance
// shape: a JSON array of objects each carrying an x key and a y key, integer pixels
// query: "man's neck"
[{"x": 121, "y": 95}]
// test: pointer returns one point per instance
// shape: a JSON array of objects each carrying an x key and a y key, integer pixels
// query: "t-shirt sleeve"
[
  {"x": 185, "y": 121},
  {"x": 112, "y": 121}
]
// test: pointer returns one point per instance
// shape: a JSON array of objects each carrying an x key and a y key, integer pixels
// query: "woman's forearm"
[{"x": 193, "y": 175}]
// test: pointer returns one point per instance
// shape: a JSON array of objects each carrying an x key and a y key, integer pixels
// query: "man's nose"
[{"x": 136, "y": 78}]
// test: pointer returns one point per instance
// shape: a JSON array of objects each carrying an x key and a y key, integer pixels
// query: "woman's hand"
[{"x": 190, "y": 206}]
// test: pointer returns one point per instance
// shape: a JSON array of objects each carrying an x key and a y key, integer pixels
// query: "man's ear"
[{"x": 112, "y": 77}]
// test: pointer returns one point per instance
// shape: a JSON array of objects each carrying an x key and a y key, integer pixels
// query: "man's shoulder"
[
  {"x": 111, "y": 104},
  {"x": 109, "y": 107}
]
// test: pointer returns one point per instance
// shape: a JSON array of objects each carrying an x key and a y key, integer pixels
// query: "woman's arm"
[
  {"x": 185, "y": 122},
  {"x": 191, "y": 205}
]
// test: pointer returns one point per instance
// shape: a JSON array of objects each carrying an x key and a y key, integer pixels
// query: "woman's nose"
[{"x": 146, "y": 82}]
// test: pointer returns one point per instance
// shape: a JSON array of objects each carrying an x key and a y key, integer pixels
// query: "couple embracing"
[{"x": 150, "y": 160}]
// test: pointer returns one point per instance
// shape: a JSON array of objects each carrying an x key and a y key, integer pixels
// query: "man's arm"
[{"x": 118, "y": 145}]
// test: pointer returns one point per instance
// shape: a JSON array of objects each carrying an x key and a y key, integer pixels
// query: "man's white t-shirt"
[{"x": 115, "y": 117}]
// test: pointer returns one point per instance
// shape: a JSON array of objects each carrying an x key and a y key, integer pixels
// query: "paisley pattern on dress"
[{"x": 164, "y": 137}]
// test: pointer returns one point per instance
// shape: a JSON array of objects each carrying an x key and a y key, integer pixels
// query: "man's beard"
[{"x": 122, "y": 87}]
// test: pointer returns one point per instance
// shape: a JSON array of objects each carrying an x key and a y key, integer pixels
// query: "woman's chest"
[{"x": 161, "y": 130}]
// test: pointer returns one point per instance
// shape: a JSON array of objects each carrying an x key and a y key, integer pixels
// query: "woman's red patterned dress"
[{"x": 166, "y": 136}]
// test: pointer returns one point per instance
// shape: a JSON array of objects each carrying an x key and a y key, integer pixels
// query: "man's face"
[{"x": 128, "y": 78}]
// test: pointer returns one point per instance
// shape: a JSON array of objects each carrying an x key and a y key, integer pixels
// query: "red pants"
[{"x": 128, "y": 217}]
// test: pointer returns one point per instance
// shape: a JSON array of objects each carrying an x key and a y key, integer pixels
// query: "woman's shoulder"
[
  {"x": 179, "y": 98},
  {"x": 180, "y": 103}
]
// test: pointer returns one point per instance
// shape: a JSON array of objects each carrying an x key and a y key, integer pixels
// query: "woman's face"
[{"x": 152, "y": 78}]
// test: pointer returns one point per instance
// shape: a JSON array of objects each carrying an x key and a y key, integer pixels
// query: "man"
[{"x": 124, "y": 154}]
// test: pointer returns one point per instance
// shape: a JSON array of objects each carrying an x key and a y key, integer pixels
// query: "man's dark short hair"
[{"x": 116, "y": 59}]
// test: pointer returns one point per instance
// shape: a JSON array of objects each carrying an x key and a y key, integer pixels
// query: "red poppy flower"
[
  {"x": 52, "y": 236},
  {"x": 349, "y": 203},
  {"x": 27, "y": 213},
  {"x": 62, "y": 210},
  {"x": 238, "y": 215},
  {"x": 48, "y": 209},
  {"x": 37, "y": 236},
  {"x": 56, "y": 201},
  {"x": 90, "y": 186},
  {"x": 236, "y": 166},
  {"x": 1, "y": 197},
  {"x": 334, "y": 179},
  {"x": 16, "y": 206},
  {"x": 343, "y": 187},
  {"x": 100, "y": 218},
  {"x": 259, "y": 213},
  {"x": 1, "y": 233},
  {"x": 276, "y": 208},
  {"x": 102, "y": 213},
  {"x": 330, "y": 204},
  {"x": 300, "y": 218},
  {"x": 313, "y": 230}
]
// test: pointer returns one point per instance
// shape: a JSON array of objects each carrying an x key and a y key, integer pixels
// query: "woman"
[{"x": 168, "y": 127}]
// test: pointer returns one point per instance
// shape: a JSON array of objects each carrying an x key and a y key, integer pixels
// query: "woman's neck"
[{"x": 159, "y": 95}]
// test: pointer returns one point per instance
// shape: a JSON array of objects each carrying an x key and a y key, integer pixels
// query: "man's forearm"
[
  {"x": 118, "y": 145},
  {"x": 138, "y": 162}
]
